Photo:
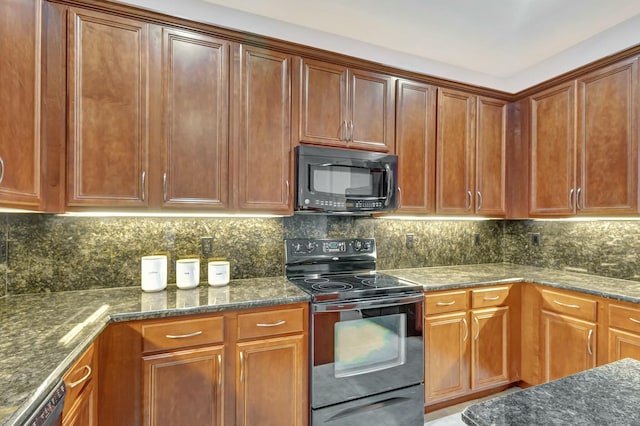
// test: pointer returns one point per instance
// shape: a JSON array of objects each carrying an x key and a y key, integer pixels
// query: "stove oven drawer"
[
  {"x": 450, "y": 301},
  {"x": 271, "y": 323}
]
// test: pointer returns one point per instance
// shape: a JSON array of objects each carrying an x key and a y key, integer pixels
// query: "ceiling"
[{"x": 503, "y": 44}]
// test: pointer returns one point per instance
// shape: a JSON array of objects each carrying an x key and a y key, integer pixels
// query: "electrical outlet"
[
  {"x": 476, "y": 239},
  {"x": 207, "y": 247},
  {"x": 535, "y": 238},
  {"x": 409, "y": 241}
]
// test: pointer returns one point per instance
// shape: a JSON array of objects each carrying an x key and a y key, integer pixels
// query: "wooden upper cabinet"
[
  {"x": 346, "y": 107},
  {"x": 552, "y": 155},
  {"x": 416, "y": 146},
  {"x": 607, "y": 142},
  {"x": 455, "y": 152},
  {"x": 20, "y": 76},
  {"x": 262, "y": 130},
  {"x": 490, "y": 158},
  {"x": 195, "y": 90},
  {"x": 107, "y": 144}
]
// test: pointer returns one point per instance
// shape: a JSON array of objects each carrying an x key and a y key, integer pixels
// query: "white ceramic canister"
[
  {"x": 187, "y": 273},
  {"x": 218, "y": 273},
  {"x": 153, "y": 273}
]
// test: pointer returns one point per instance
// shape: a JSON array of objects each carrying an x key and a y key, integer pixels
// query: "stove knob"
[
  {"x": 297, "y": 247},
  {"x": 310, "y": 246},
  {"x": 367, "y": 245},
  {"x": 357, "y": 244}
]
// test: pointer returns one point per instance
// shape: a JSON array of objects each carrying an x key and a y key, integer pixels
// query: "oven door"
[{"x": 365, "y": 348}]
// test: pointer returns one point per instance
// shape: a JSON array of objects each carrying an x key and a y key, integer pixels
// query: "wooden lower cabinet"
[
  {"x": 490, "y": 347},
  {"x": 83, "y": 411},
  {"x": 623, "y": 344},
  {"x": 270, "y": 384},
  {"x": 184, "y": 387},
  {"x": 81, "y": 399}
]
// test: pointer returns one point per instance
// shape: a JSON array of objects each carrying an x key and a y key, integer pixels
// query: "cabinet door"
[
  {"x": 184, "y": 387},
  {"x": 323, "y": 103},
  {"x": 491, "y": 151},
  {"x": 20, "y": 141},
  {"x": 490, "y": 347},
  {"x": 455, "y": 152},
  {"x": 552, "y": 156},
  {"x": 623, "y": 345},
  {"x": 195, "y": 71},
  {"x": 568, "y": 345},
  {"x": 262, "y": 130},
  {"x": 83, "y": 410},
  {"x": 372, "y": 102},
  {"x": 445, "y": 356},
  {"x": 271, "y": 382},
  {"x": 608, "y": 140},
  {"x": 108, "y": 112},
  {"x": 416, "y": 146}
]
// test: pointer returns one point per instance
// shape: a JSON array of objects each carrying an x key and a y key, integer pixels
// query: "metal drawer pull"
[
  {"x": 571, "y": 199},
  {"x": 470, "y": 200},
  {"x": 488, "y": 299},
  {"x": 219, "y": 370},
  {"x": 589, "y": 342},
  {"x": 83, "y": 378},
  {"x": 241, "y": 367},
  {"x": 164, "y": 186},
  {"x": 183, "y": 336},
  {"x": 566, "y": 305},
  {"x": 466, "y": 329},
  {"x": 445, "y": 303},
  {"x": 475, "y": 319},
  {"x": 479, "y": 200},
  {"x": 2, "y": 165},
  {"x": 275, "y": 324},
  {"x": 287, "y": 189},
  {"x": 634, "y": 320},
  {"x": 143, "y": 182}
]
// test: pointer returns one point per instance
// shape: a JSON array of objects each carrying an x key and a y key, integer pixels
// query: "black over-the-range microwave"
[{"x": 345, "y": 181}]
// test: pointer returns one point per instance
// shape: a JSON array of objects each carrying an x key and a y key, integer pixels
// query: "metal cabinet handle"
[
  {"x": 1, "y": 173},
  {"x": 83, "y": 378},
  {"x": 578, "y": 193},
  {"x": 345, "y": 130},
  {"x": 589, "y": 342},
  {"x": 241, "y": 366},
  {"x": 164, "y": 186},
  {"x": 286, "y": 182},
  {"x": 399, "y": 197},
  {"x": 219, "y": 370},
  {"x": 566, "y": 305},
  {"x": 571, "y": 199},
  {"x": 475, "y": 320},
  {"x": 183, "y": 336},
  {"x": 469, "y": 200},
  {"x": 351, "y": 131},
  {"x": 144, "y": 179},
  {"x": 466, "y": 329},
  {"x": 488, "y": 299},
  {"x": 446, "y": 303},
  {"x": 479, "y": 206},
  {"x": 634, "y": 320},
  {"x": 275, "y": 324}
]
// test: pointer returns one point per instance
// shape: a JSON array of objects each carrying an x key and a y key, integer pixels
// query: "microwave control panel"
[{"x": 340, "y": 248}]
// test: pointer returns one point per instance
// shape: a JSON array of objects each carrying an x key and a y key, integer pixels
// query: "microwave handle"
[{"x": 387, "y": 200}]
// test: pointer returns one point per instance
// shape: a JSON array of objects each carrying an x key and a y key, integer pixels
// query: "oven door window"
[
  {"x": 346, "y": 181},
  {"x": 371, "y": 344}
]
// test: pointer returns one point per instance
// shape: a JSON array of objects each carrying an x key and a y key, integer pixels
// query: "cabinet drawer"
[
  {"x": 270, "y": 323},
  {"x": 624, "y": 318},
  {"x": 488, "y": 297},
  {"x": 574, "y": 306},
  {"x": 445, "y": 302},
  {"x": 180, "y": 334},
  {"x": 79, "y": 376}
]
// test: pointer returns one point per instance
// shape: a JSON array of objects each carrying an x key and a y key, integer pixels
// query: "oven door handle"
[{"x": 366, "y": 304}]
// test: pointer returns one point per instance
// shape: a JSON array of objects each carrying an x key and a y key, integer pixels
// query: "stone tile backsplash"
[{"x": 55, "y": 253}]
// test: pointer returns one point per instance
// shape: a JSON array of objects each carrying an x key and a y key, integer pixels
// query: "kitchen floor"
[{"x": 451, "y": 416}]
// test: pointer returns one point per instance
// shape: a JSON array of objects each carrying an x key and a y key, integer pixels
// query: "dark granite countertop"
[
  {"x": 606, "y": 395},
  {"x": 43, "y": 334}
]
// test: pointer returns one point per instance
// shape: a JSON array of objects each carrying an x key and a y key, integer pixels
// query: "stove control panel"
[{"x": 340, "y": 248}]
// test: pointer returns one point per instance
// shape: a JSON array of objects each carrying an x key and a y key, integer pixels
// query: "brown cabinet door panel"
[
  {"x": 270, "y": 387},
  {"x": 491, "y": 150},
  {"x": 108, "y": 119},
  {"x": 195, "y": 96},
  {"x": 20, "y": 141},
  {"x": 372, "y": 100},
  {"x": 455, "y": 152},
  {"x": 263, "y": 130},
  {"x": 490, "y": 347},
  {"x": 623, "y": 345},
  {"x": 607, "y": 140},
  {"x": 416, "y": 146},
  {"x": 553, "y": 152},
  {"x": 323, "y": 103}
]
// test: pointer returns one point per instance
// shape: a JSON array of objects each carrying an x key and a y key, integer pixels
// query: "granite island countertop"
[
  {"x": 43, "y": 334},
  {"x": 606, "y": 395}
]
